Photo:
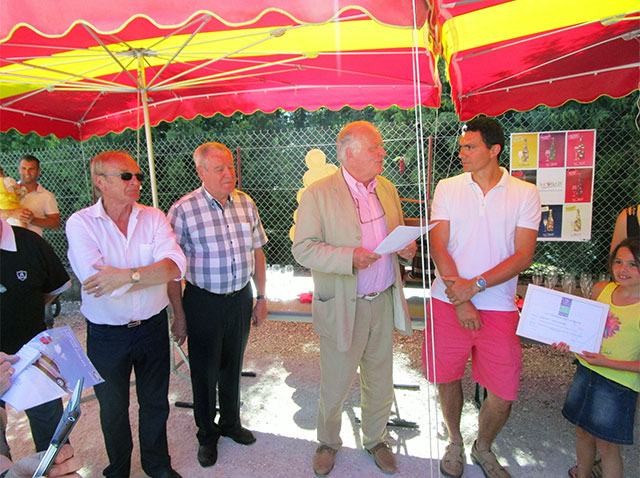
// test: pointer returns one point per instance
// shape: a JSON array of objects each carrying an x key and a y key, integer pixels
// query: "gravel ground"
[{"x": 279, "y": 404}]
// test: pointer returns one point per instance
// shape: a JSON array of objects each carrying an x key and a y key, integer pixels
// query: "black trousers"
[
  {"x": 43, "y": 420},
  {"x": 218, "y": 329},
  {"x": 115, "y": 351}
]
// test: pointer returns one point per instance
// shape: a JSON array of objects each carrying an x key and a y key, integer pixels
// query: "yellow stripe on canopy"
[
  {"x": 303, "y": 41},
  {"x": 520, "y": 18}
]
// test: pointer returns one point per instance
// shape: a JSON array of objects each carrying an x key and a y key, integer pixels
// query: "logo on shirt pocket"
[{"x": 22, "y": 275}]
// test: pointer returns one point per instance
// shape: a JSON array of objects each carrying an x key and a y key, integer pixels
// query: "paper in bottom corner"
[{"x": 53, "y": 374}]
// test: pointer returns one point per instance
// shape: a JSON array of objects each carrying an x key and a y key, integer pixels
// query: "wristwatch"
[
  {"x": 481, "y": 283},
  {"x": 260, "y": 297},
  {"x": 135, "y": 275}
]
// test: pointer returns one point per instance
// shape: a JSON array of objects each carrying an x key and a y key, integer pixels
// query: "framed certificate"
[{"x": 550, "y": 316}]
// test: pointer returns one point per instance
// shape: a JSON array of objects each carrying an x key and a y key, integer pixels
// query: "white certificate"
[
  {"x": 550, "y": 316},
  {"x": 400, "y": 238}
]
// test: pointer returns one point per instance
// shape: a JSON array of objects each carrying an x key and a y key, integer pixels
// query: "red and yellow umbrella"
[
  {"x": 79, "y": 68},
  {"x": 87, "y": 72},
  {"x": 504, "y": 54}
]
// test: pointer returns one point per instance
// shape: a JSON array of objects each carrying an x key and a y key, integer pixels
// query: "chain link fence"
[{"x": 271, "y": 166}]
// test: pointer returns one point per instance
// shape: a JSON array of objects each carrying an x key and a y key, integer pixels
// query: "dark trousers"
[
  {"x": 43, "y": 420},
  {"x": 218, "y": 329},
  {"x": 115, "y": 351}
]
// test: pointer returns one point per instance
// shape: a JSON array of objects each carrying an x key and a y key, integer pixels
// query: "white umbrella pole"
[
  {"x": 142, "y": 84},
  {"x": 152, "y": 166}
]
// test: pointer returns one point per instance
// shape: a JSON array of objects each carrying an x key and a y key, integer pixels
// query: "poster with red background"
[
  {"x": 578, "y": 185},
  {"x": 581, "y": 148}
]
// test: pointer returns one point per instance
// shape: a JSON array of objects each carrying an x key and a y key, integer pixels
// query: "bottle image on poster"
[
  {"x": 524, "y": 151},
  {"x": 577, "y": 222},
  {"x": 581, "y": 148},
  {"x": 578, "y": 185},
  {"x": 551, "y": 222},
  {"x": 551, "y": 150}
]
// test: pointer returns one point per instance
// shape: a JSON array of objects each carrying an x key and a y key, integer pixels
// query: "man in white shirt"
[
  {"x": 485, "y": 236},
  {"x": 124, "y": 254},
  {"x": 39, "y": 207}
]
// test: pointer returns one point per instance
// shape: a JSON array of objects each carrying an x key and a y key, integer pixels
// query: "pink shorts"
[{"x": 496, "y": 355}]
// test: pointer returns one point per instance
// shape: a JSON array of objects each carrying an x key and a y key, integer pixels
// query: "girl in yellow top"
[{"x": 602, "y": 399}]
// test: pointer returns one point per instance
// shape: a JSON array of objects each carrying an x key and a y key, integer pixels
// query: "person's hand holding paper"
[{"x": 400, "y": 238}]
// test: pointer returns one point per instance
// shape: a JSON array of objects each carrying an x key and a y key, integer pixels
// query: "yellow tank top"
[
  {"x": 621, "y": 339},
  {"x": 8, "y": 200}
]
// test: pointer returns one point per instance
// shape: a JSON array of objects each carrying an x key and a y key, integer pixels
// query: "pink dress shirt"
[{"x": 380, "y": 276}]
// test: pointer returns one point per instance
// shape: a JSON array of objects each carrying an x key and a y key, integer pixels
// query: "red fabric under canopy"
[{"x": 83, "y": 74}]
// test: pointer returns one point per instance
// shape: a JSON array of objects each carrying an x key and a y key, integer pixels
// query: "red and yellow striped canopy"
[
  {"x": 83, "y": 74},
  {"x": 504, "y": 54},
  {"x": 81, "y": 68}
]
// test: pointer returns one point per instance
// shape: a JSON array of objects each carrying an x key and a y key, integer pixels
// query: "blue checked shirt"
[{"x": 218, "y": 241}]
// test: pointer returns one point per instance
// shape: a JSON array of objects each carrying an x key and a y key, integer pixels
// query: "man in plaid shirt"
[{"x": 220, "y": 232}]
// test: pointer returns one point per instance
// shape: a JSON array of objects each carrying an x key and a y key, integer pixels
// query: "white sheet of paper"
[
  {"x": 400, "y": 238},
  {"x": 550, "y": 316}
]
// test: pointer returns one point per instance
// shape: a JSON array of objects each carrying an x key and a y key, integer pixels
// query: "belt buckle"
[
  {"x": 371, "y": 296},
  {"x": 133, "y": 323}
]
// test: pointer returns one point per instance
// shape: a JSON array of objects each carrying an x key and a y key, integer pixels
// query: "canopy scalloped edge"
[
  {"x": 467, "y": 117},
  {"x": 154, "y": 124},
  {"x": 9, "y": 24}
]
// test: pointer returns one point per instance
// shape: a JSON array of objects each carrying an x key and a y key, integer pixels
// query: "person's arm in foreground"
[
  {"x": 460, "y": 290},
  {"x": 51, "y": 221},
  {"x": 467, "y": 313},
  {"x": 600, "y": 360},
  {"x": 179, "y": 319},
  {"x": 65, "y": 465},
  {"x": 260, "y": 279},
  {"x": 597, "y": 358},
  {"x": 620, "y": 230}
]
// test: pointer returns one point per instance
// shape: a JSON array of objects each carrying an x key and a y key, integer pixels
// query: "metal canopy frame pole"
[{"x": 147, "y": 134}]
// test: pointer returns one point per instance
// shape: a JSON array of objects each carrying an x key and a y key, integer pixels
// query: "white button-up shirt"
[{"x": 95, "y": 239}]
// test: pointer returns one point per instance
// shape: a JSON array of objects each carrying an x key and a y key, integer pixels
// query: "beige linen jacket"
[{"x": 327, "y": 231}]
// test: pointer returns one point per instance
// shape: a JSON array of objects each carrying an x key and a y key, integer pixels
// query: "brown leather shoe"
[
  {"x": 241, "y": 435},
  {"x": 384, "y": 458},
  {"x": 208, "y": 454},
  {"x": 324, "y": 460}
]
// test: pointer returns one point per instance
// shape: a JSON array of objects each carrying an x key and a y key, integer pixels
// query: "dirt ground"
[{"x": 280, "y": 406}]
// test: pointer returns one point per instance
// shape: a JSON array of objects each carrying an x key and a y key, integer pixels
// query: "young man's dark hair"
[
  {"x": 31, "y": 159},
  {"x": 490, "y": 129}
]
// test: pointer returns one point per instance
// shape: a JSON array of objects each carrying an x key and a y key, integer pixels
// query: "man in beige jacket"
[{"x": 357, "y": 294}]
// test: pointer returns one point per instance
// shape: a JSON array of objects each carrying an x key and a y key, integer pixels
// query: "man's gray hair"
[
  {"x": 97, "y": 164},
  {"x": 203, "y": 152},
  {"x": 349, "y": 137}
]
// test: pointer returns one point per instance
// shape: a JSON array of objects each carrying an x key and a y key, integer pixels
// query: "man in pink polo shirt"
[
  {"x": 486, "y": 235},
  {"x": 358, "y": 296}
]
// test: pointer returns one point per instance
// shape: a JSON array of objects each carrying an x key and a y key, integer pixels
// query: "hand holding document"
[
  {"x": 551, "y": 316},
  {"x": 50, "y": 364},
  {"x": 400, "y": 238}
]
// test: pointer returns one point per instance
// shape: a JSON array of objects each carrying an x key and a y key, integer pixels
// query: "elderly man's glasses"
[
  {"x": 126, "y": 176},
  {"x": 367, "y": 212}
]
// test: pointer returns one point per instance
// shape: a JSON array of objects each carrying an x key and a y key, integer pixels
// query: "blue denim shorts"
[{"x": 602, "y": 407}]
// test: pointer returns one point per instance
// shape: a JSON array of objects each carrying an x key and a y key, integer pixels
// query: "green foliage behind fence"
[{"x": 272, "y": 148}]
